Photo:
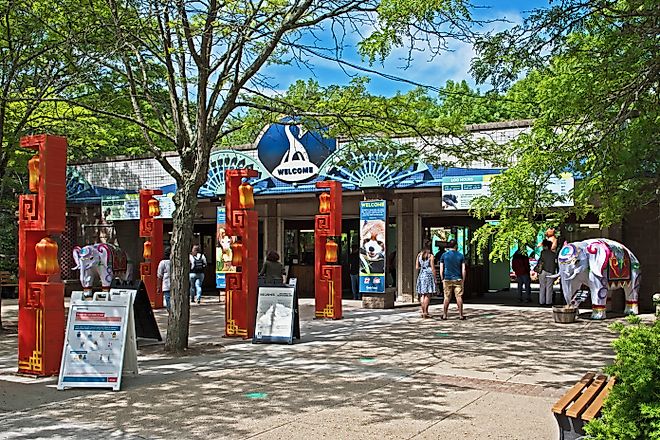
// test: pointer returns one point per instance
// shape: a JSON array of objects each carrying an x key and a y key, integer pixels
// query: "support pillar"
[
  {"x": 151, "y": 229},
  {"x": 407, "y": 249},
  {"x": 242, "y": 285},
  {"x": 327, "y": 274},
  {"x": 41, "y": 297}
]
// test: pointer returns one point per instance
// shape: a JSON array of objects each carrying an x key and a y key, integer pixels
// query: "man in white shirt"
[{"x": 163, "y": 274}]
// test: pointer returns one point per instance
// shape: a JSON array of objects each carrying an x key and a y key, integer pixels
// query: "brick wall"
[{"x": 641, "y": 234}]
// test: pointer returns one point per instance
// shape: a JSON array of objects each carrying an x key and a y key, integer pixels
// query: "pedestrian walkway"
[{"x": 373, "y": 375}]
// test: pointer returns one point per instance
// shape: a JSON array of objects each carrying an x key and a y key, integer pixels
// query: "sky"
[{"x": 451, "y": 65}]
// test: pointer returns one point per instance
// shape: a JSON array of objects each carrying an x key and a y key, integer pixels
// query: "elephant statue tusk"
[{"x": 553, "y": 277}]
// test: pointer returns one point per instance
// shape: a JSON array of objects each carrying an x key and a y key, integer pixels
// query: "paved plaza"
[{"x": 376, "y": 374}]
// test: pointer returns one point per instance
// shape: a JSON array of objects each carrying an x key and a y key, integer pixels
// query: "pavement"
[{"x": 375, "y": 374}]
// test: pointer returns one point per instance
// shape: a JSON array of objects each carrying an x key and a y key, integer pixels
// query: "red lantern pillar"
[
  {"x": 327, "y": 232},
  {"x": 151, "y": 229},
  {"x": 40, "y": 289},
  {"x": 241, "y": 290}
]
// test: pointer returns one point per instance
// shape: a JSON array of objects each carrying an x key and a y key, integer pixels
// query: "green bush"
[{"x": 632, "y": 410}]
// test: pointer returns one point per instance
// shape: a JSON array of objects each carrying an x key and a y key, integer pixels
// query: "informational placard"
[
  {"x": 100, "y": 343},
  {"x": 123, "y": 207},
  {"x": 373, "y": 221},
  {"x": 459, "y": 191},
  {"x": 167, "y": 206},
  {"x": 277, "y": 315},
  {"x": 223, "y": 252}
]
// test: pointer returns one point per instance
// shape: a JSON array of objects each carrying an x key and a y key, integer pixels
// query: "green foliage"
[
  {"x": 593, "y": 92},
  {"x": 632, "y": 409}
]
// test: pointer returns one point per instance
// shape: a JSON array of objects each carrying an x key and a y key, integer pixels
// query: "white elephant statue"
[
  {"x": 102, "y": 259},
  {"x": 602, "y": 265}
]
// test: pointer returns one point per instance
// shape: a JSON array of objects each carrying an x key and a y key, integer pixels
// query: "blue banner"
[
  {"x": 223, "y": 253},
  {"x": 373, "y": 224}
]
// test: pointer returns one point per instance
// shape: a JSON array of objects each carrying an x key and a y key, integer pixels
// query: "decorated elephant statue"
[
  {"x": 102, "y": 259},
  {"x": 602, "y": 265}
]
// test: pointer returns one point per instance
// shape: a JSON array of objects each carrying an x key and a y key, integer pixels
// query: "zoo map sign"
[{"x": 459, "y": 191}]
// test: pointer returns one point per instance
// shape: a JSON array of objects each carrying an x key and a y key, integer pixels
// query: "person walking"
[
  {"x": 520, "y": 266},
  {"x": 163, "y": 273},
  {"x": 354, "y": 271},
  {"x": 425, "y": 278},
  {"x": 272, "y": 270},
  {"x": 197, "y": 268},
  {"x": 548, "y": 266},
  {"x": 452, "y": 273}
]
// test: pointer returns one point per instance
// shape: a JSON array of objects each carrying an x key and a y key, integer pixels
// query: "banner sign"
[
  {"x": 276, "y": 315},
  {"x": 459, "y": 191},
  {"x": 373, "y": 218},
  {"x": 124, "y": 207},
  {"x": 223, "y": 253},
  {"x": 100, "y": 342}
]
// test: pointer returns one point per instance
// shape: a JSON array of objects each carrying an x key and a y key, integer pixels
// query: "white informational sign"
[
  {"x": 100, "y": 343},
  {"x": 167, "y": 206},
  {"x": 124, "y": 207},
  {"x": 275, "y": 314},
  {"x": 459, "y": 191}
]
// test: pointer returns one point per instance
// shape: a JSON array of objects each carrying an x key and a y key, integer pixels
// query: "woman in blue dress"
[{"x": 426, "y": 278}]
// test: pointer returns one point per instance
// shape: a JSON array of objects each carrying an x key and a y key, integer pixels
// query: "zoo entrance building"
[{"x": 102, "y": 206}]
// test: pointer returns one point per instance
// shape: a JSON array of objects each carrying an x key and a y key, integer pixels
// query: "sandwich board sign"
[
  {"x": 100, "y": 343},
  {"x": 277, "y": 314}
]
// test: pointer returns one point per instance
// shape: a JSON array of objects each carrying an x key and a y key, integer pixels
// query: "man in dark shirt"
[
  {"x": 354, "y": 270},
  {"x": 452, "y": 273},
  {"x": 548, "y": 267},
  {"x": 520, "y": 266}
]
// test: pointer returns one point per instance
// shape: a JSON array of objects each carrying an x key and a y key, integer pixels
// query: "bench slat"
[
  {"x": 597, "y": 404},
  {"x": 574, "y": 392},
  {"x": 585, "y": 399}
]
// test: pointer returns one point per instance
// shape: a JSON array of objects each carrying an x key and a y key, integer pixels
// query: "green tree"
[
  {"x": 594, "y": 82},
  {"x": 632, "y": 409},
  {"x": 210, "y": 59}
]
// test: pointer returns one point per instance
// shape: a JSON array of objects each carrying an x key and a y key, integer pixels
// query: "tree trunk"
[{"x": 181, "y": 242}]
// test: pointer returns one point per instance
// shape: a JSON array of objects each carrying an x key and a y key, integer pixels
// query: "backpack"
[{"x": 198, "y": 265}]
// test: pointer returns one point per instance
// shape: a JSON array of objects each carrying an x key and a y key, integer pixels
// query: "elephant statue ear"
[
  {"x": 599, "y": 256},
  {"x": 76, "y": 257},
  {"x": 567, "y": 253}
]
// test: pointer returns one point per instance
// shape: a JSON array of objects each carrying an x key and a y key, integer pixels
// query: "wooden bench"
[
  {"x": 7, "y": 283},
  {"x": 581, "y": 404}
]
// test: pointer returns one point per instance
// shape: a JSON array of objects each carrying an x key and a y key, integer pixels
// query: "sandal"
[
  {"x": 443, "y": 317},
  {"x": 462, "y": 318}
]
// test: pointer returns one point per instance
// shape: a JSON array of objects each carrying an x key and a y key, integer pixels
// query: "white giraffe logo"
[{"x": 295, "y": 165}]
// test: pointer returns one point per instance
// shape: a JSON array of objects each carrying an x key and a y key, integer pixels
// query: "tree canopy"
[{"x": 592, "y": 73}]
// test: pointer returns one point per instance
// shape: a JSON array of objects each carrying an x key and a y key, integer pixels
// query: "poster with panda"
[
  {"x": 373, "y": 224},
  {"x": 223, "y": 252}
]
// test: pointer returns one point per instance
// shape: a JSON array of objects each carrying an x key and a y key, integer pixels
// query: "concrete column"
[
  {"x": 279, "y": 222},
  {"x": 270, "y": 225},
  {"x": 406, "y": 248}
]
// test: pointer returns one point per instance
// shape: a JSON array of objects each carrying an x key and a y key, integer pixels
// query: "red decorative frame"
[
  {"x": 327, "y": 278},
  {"x": 242, "y": 286},
  {"x": 41, "y": 298}
]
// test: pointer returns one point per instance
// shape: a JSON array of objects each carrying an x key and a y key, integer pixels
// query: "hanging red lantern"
[
  {"x": 237, "y": 254},
  {"x": 154, "y": 208},
  {"x": 47, "y": 262},
  {"x": 146, "y": 250},
  {"x": 324, "y": 203},
  {"x": 245, "y": 196},
  {"x": 34, "y": 172},
  {"x": 331, "y": 248}
]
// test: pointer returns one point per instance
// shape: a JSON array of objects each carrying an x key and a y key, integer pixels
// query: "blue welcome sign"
[{"x": 373, "y": 225}]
